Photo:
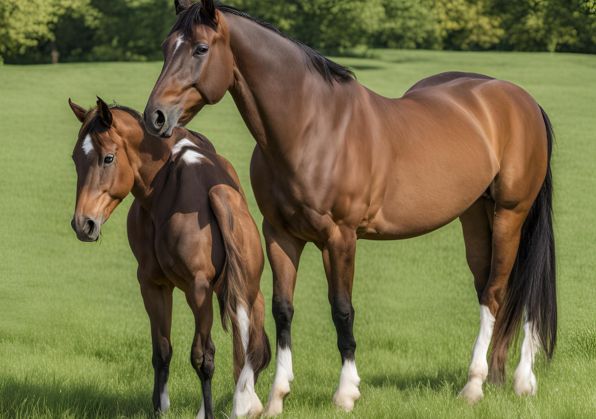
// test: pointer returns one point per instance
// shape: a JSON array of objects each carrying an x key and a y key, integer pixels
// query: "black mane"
[
  {"x": 329, "y": 70},
  {"x": 95, "y": 125}
]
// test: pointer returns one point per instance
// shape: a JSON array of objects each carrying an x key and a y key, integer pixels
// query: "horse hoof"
[
  {"x": 525, "y": 384},
  {"x": 345, "y": 397},
  {"x": 274, "y": 407},
  {"x": 278, "y": 393},
  {"x": 253, "y": 410},
  {"x": 472, "y": 393}
]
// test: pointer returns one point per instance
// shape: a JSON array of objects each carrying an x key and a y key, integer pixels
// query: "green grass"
[{"x": 74, "y": 337}]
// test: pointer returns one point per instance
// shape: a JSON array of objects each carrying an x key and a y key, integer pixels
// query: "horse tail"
[
  {"x": 532, "y": 284},
  {"x": 240, "y": 299}
]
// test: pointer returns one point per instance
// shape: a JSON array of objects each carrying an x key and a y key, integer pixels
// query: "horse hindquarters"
[
  {"x": 531, "y": 291},
  {"x": 240, "y": 297},
  {"x": 521, "y": 280}
]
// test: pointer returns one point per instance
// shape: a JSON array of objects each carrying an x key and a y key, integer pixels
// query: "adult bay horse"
[
  {"x": 188, "y": 227},
  {"x": 336, "y": 162}
]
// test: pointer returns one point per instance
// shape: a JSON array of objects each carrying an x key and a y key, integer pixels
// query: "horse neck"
[
  {"x": 147, "y": 155},
  {"x": 274, "y": 89}
]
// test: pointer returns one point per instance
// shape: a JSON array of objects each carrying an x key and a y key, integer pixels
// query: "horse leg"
[
  {"x": 506, "y": 238},
  {"x": 283, "y": 251},
  {"x": 202, "y": 352},
  {"x": 476, "y": 226},
  {"x": 338, "y": 258},
  {"x": 524, "y": 380},
  {"x": 158, "y": 303}
]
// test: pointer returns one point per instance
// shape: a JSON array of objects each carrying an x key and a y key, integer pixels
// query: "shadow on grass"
[
  {"x": 26, "y": 399},
  {"x": 443, "y": 378},
  {"x": 365, "y": 67},
  {"x": 409, "y": 60}
]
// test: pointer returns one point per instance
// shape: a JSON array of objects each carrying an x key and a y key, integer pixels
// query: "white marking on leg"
[
  {"x": 246, "y": 402},
  {"x": 87, "y": 145},
  {"x": 524, "y": 380},
  {"x": 284, "y": 375},
  {"x": 164, "y": 399},
  {"x": 201, "y": 414},
  {"x": 478, "y": 371},
  {"x": 347, "y": 392},
  {"x": 189, "y": 152}
]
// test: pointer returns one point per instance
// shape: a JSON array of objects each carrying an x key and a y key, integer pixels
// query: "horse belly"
[{"x": 431, "y": 186}]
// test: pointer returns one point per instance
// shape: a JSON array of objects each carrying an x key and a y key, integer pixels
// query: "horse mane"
[
  {"x": 94, "y": 125},
  {"x": 328, "y": 69}
]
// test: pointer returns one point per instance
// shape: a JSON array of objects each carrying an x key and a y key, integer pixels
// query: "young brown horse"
[
  {"x": 336, "y": 162},
  {"x": 189, "y": 227}
]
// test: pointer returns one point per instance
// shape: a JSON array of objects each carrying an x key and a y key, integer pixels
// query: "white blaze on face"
[
  {"x": 87, "y": 145},
  {"x": 188, "y": 150},
  {"x": 246, "y": 402},
  {"x": 179, "y": 41}
]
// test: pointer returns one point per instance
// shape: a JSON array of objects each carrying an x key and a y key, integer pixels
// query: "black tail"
[{"x": 532, "y": 284}]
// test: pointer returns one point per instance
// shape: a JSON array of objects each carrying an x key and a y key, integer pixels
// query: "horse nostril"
[
  {"x": 89, "y": 227},
  {"x": 159, "y": 119}
]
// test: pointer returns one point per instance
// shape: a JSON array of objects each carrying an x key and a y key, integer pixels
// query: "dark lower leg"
[
  {"x": 338, "y": 258},
  {"x": 162, "y": 354},
  {"x": 343, "y": 317},
  {"x": 283, "y": 251},
  {"x": 158, "y": 303}
]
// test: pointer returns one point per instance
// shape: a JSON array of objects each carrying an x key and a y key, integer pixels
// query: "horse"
[
  {"x": 189, "y": 228},
  {"x": 335, "y": 162}
]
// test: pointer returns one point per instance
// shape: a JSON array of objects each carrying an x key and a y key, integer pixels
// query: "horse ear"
[
  {"x": 209, "y": 8},
  {"x": 104, "y": 112},
  {"x": 79, "y": 111},
  {"x": 182, "y": 5}
]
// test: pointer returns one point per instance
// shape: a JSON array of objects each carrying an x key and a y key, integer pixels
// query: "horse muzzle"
[
  {"x": 161, "y": 122},
  {"x": 86, "y": 228}
]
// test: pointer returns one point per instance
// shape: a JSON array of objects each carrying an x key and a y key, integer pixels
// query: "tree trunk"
[{"x": 55, "y": 54}]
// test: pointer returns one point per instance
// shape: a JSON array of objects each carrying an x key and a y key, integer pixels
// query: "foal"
[{"x": 188, "y": 227}]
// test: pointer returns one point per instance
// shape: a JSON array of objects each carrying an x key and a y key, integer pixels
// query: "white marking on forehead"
[
  {"x": 189, "y": 151},
  {"x": 179, "y": 41},
  {"x": 87, "y": 145}
]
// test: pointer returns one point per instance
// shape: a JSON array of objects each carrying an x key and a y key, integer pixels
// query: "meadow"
[{"x": 74, "y": 336}]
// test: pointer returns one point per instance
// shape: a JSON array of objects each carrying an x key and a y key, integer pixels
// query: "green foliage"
[
  {"x": 408, "y": 24},
  {"x": 91, "y": 30},
  {"x": 26, "y": 23},
  {"x": 132, "y": 30},
  {"x": 330, "y": 25},
  {"x": 465, "y": 24},
  {"x": 553, "y": 25}
]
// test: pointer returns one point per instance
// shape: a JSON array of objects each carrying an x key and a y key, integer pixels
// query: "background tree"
[
  {"x": 35, "y": 31},
  {"x": 408, "y": 24},
  {"x": 28, "y": 23}
]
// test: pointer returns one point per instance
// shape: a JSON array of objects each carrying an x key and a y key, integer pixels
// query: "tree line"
[{"x": 39, "y": 31}]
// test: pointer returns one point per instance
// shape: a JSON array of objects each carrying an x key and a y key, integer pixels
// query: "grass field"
[{"x": 74, "y": 337}]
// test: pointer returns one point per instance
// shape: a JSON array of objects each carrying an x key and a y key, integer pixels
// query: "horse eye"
[
  {"x": 109, "y": 159},
  {"x": 201, "y": 49}
]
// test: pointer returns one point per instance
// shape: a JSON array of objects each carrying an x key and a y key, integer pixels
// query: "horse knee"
[
  {"x": 162, "y": 354},
  {"x": 203, "y": 360}
]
